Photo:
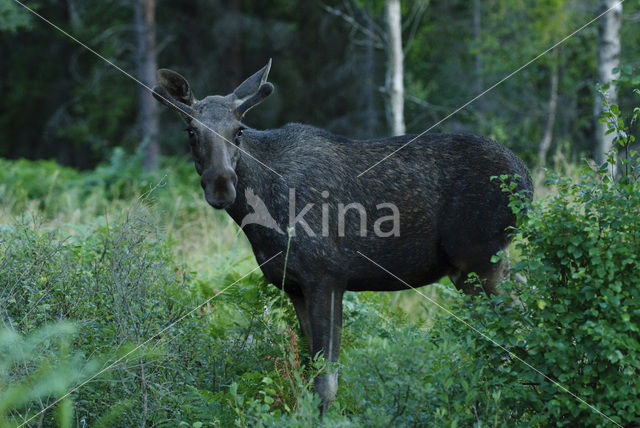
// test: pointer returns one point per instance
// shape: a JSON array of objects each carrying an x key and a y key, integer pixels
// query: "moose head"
[{"x": 214, "y": 127}]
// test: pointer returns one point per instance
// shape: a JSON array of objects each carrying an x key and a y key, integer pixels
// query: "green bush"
[
  {"x": 411, "y": 376},
  {"x": 37, "y": 367},
  {"x": 23, "y": 182},
  {"x": 578, "y": 319},
  {"x": 47, "y": 189},
  {"x": 117, "y": 283},
  {"x": 582, "y": 318}
]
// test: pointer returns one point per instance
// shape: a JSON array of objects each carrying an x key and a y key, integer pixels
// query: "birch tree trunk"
[
  {"x": 370, "y": 119},
  {"x": 395, "y": 71},
  {"x": 608, "y": 58},
  {"x": 144, "y": 11},
  {"x": 477, "y": 36},
  {"x": 547, "y": 138}
]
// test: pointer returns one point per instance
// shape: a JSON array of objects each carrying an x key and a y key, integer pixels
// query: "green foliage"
[
  {"x": 281, "y": 397},
  {"x": 46, "y": 188},
  {"x": 13, "y": 17},
  {"x": 23, "y": 181},
  {"x": 36, "y": 367},
  {"x": 118, "y": 284},
  {"x": 621, "y": 154},
  {"x": 116, "y": 280},
  {"x": 578, "y": 318},
  {"x": 410, "y": 376},
  {"x": 582, "y": 313},
  {"x": 201, "y": 343}
]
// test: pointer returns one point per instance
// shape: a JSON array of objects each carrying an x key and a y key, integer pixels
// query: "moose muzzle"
[{"x": 219, "y": 187}]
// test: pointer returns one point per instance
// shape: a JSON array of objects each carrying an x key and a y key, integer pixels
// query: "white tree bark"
[
  {"x": 370, "y": 88},
  {"x": 477, "y": 36},
  {"x": 547, "y": 138},
  {"x": 395, "y": 69},
  {"x": 608, "y": 58}
]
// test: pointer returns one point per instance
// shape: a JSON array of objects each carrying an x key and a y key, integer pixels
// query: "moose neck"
[{"x": 260, "y": 152}]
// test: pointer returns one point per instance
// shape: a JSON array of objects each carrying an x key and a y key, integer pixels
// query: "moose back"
[{"x": 427, "y": 211}]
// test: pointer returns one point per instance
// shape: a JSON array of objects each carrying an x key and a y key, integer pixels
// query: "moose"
[{"x": 452, "y": 217}]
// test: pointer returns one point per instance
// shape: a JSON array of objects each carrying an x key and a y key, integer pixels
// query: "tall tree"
[
  {"x": 395, "y": 67},
  {"x": 368, "y": 69},
  {"x": 477, "y": 36},
  {"x": 547, "y": 137},
  {"x": 608, "y": 59},
  {"x": 145, "y": 11}
]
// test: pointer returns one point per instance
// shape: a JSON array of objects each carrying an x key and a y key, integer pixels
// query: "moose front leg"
[{"x": 324, "y": 306}]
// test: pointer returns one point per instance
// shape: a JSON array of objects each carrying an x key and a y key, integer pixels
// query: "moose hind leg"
[
  {"x": 460, "y": 280},
  {"x": 325, "y": 314},
  {"x": 498, "y": 272},
  {"x": 491, "y": 274}
]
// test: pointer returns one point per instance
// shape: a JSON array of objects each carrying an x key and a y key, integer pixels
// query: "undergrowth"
[{"x": 125, "y": 310}]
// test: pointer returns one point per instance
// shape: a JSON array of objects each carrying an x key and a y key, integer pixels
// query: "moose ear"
[
  {"x": 174, "y": 91},
  {"x": 253, "y": 91}
]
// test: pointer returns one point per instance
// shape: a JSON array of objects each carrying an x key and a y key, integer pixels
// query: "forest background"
[{"x": 125, "y": 300}]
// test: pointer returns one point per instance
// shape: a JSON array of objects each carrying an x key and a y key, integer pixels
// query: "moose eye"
[
  {"x": 191, "y": 132},
  {"x": 237, "y": 138}
]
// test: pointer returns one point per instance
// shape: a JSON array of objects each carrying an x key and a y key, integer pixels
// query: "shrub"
[
  {"x": 49, "y": 190},
  {"x": 580, "y": 316},
  {"x": 36, "y": 367},
  {"x": 117, "y": 283}
]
